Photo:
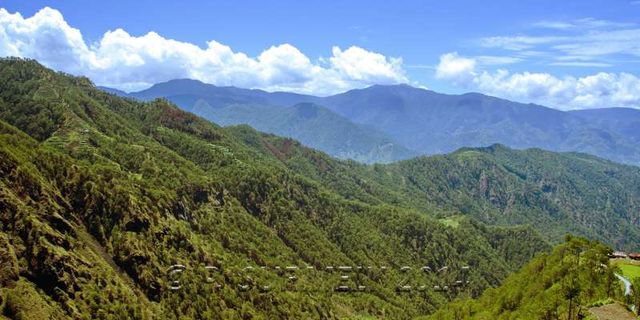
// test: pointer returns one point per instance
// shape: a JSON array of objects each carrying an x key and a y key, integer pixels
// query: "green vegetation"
[
  {"x": 559, "y": 285},
  {"x": 630, "y": 271},
  {"x": 100, "y": 195},
  {"x": 556, "y": 193},
  {"x": 635, "y": 294}
]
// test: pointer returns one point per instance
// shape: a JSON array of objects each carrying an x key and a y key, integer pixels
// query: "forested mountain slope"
[
  {"x": 103, "y": 198},
  {"x": 559, "y": 285},
  {"x": 555, "y": 193}
]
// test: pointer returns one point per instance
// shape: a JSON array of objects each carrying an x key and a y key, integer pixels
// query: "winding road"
[
  {"x": 627, "y": 288},
  {"x": 627, "y": 284}
]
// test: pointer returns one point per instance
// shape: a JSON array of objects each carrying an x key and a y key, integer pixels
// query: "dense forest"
[
  {"x": 103, "y": 198},
  {"x": 556, "y": 193},
  {"x": 558, "y": 285}
]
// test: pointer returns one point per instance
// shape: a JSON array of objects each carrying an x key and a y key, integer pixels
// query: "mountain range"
[
  {"x": 381, "y": 124},
  {"x": 103, "y": 198}
]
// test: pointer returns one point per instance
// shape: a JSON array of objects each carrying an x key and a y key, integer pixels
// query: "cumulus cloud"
[
  {"x": 593, "y": 91},
  {"x": 359, "y": 64},
  {"x": 455, "y": 68},
  {"x": 129, "y": 62}
]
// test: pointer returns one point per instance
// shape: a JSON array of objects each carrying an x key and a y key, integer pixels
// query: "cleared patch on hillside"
[{"x": 612, "y": 311}]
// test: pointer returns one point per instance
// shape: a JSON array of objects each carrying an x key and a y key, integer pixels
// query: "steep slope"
[
  {"x": 102, "y": 199},
  {"x": 559, "y": 285},
  {"x": 555, "y": 193}
]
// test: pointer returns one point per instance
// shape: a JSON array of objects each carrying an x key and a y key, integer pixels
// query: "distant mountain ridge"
[
  {"x": 314, "y": 126},
  {"x": 281, "y": 113},
  {"x": 416, "y": 121}
]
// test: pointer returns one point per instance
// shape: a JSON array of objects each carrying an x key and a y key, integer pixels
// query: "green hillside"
[
  {"x": 559, "y": 285},
  {"x": 553, "y": 192},
  {"x": 100, "y": 196},
  {"x": 113, "y": 208}
]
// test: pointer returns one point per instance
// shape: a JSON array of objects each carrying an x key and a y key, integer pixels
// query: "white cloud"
[
  {"x": 519, "y": 42},
  {"x": 602, "y": 43},
  {"x": 599, "y": 40},
  {"x": 580, "y": 64},
  {"x": 582, "y": 43},
  {"x": 456, "y": 68},
  {"x": 497, "y": 60},
  {"x": 593, "y": 91},
  {"x": 359, "y": 64},
  {"x": 584, "y": 23},
  {"x": 133, "y": 62},
  {"x": 462, "y": 70}
]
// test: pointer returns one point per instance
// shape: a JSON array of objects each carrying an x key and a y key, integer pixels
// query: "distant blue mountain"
[
  {"x": 623, "y": 121},
  {"x": 114, "y": 91},
  {"x": 401, "y": 118},
  {"x": 282, "y": 114}
]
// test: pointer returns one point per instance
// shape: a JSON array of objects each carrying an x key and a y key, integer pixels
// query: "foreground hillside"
[
  {"x": 102, "y": 199},
  {"x": 114, "y": 208},
  {"x": 559, "y": 285}
]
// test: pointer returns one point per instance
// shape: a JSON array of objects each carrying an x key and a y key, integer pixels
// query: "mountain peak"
[{"x": 393, "y": 87}]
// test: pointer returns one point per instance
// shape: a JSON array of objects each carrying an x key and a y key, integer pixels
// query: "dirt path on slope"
[{"x": 612, "y": 311}]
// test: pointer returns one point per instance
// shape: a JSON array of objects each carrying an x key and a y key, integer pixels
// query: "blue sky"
[{"x": 566, "y": 54}]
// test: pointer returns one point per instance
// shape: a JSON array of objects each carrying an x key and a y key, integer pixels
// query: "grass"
[
  {"x": 630, "y": 271},
  {"x": 600, "y": 303},
  {"x": 618, "y": 261}
]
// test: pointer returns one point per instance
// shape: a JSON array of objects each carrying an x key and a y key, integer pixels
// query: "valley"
[{"x": 159, "y": 189}]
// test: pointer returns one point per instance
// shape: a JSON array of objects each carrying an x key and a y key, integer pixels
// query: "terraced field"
[{"x": 630, "y": 269}]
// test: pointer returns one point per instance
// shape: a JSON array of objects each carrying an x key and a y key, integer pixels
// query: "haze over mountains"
[{"x": 387, "y": 123}]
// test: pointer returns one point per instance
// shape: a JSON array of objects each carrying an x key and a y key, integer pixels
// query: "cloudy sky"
[{"x": 564, "y": 54}]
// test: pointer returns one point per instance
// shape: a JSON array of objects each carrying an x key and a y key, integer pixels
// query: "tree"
[{"x": 635, "y": 294}]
